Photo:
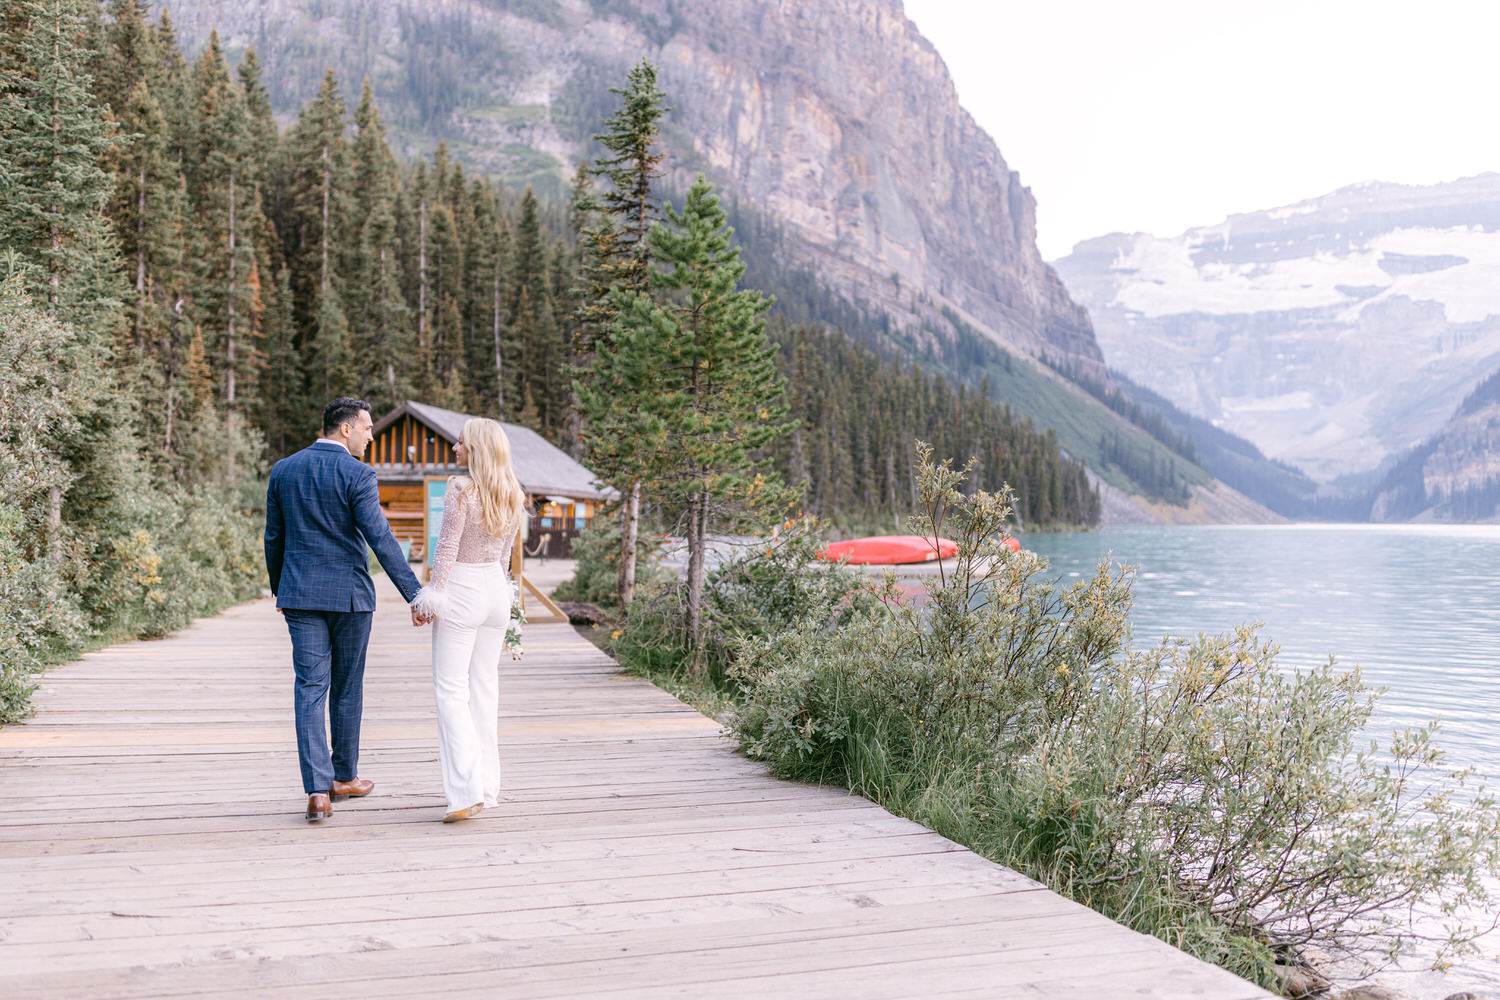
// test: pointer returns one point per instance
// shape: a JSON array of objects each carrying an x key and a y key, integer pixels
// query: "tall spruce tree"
[
  {"x": 631, "y": 170},
  {"x": 53, "y": 193},
  {"x": 486, "y": 260},
  {"x": 723, "y": 402},
  {"x": 419, "y": 203},
  {"x": 618, "y": 259},
  {"x": 378, "y": 315},
  {"x": 227, "y": 203},
  {"x": 445, "y": 270},
  {"x": 318, "y": 193},
  {"x": 149, "y": 211},
  {"x": 534, "y": 325}
]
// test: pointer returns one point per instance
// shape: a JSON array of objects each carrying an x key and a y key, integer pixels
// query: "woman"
[{"x": 470, "y": 596}]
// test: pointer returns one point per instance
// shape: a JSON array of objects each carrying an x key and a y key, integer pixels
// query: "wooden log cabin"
[{"x": 414, "y": 442}]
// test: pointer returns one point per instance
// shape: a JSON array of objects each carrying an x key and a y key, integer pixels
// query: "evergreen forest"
[
  {"x": 860, "y": 417},
  {"x": 184, "y": 282}
]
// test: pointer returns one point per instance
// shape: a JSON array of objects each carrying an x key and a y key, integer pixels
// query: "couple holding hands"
[{"x": 322, "y": 509}]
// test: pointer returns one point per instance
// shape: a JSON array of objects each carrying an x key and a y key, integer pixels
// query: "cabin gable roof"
[{"x": 541, "y": 467}]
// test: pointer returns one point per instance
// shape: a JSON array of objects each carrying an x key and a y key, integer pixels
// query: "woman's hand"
[{"x": 418, "y": 619}]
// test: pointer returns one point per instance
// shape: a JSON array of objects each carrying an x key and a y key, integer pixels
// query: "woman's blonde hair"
[{"x": 500, "y": 493}]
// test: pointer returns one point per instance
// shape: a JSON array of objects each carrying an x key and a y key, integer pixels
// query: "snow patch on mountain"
[
  {"x": 1332, "y": 333},
  {"x": 1162, "y": 277}
]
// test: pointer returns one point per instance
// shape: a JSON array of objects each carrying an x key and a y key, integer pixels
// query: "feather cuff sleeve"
[{"x": 430, "y": 602}]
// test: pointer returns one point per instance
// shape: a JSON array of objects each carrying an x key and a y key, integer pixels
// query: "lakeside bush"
[
  {"x": 1196, "y": 791},
  {"x": 776, "y": 584},
  {"x": 149, "y": 560},
  {"x": 596, "y": 573},
  {"x": 181, "y": 556}
]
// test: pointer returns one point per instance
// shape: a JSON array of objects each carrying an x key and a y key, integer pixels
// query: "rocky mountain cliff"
[
  {"x": 834, "y": 119},
  {"x": 1455, "y": 474},
  {"x": 1334, "y": 333}
]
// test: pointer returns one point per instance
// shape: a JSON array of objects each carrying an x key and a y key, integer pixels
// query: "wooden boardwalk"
[{"x": 152, "y": 845}]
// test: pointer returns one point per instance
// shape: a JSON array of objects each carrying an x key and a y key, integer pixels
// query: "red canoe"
[{"x": 884, "y": 550}]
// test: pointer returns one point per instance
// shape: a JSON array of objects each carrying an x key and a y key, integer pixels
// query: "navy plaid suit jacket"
[{"x": 322, "y": 506}]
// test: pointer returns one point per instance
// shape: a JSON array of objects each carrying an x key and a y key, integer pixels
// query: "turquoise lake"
[{"x": 1416, "y": 607}]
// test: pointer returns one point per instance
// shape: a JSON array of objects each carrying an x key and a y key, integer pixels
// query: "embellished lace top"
[{"x": 463, "y": 539}]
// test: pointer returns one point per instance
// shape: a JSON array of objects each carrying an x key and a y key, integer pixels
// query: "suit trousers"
[
  {"x": 467, "y": 642},
  {"x": 328, "y": 652}
]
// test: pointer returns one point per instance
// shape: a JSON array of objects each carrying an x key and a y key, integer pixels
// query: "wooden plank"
[
  {"x": 553, "y": 612},
  {"x": 152, "y": 845}
]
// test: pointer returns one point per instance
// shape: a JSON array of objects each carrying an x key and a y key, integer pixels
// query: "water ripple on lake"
[{"x": 1416, "y": 607}]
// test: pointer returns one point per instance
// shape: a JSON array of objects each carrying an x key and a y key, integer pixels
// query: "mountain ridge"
[
  {"x": 836, "y": 116},
  {"x": 1335, "y": 333}
]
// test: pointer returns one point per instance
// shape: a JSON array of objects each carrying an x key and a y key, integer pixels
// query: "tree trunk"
[
  {"x": 140, "y": 264},
  {"x": 323, "y": 249},
  {"x": 697, "y": 540},
  {"x": 385, "y": 328},
  {"x": 229, "y": 340},
  {"x": 630, "y": 519},
  {"x": 54, "y": 525},
  {"x": 54, "y": 294},
  {"x": 171, "y": 402},
  {"x": 499, "y": 360},
  {"x": 422, "y": 279}
]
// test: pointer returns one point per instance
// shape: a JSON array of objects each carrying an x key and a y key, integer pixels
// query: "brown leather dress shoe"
[
  {"x": 351, "y": 789},
  {"x": 318, "y": 807},
  {"x": 460, "y": 814}
]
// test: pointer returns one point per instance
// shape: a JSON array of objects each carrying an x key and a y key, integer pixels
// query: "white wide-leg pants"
[{"x": 467, "y": 642}]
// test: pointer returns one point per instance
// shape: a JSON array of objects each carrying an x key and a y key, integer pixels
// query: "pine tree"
[
  {"x": 416, "y": 237},
  {"x": 263, "y": 139},
  {"x": 531, "y": 319},
  {"x": 53, "y": 193},
  {"x": 318, "y": 191},
  {"x": 287, "y": 415},
  {"x": 632, "y": 168},
  {"x": 127, "y": 55},
  {"x": 148, "y": 210},
  {"x": 614, "y": 231},
  {"x": 378, "y": 313},
  {"x": 227, "y": 207},
  {"x": 720, "y": 399},
  {"x": 445, "y": 271},
  {"x": 53, "y": 190},
  {"x": 486, "y": 256},
  {"x": 175, "y": 93}
]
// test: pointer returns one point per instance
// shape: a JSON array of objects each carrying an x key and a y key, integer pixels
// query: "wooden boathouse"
[{"x": 414, "y": 443}]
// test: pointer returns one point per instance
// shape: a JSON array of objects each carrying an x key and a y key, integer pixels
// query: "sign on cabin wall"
[{"x": 434, "y": 493}]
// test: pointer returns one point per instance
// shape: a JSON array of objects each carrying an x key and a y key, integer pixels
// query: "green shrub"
[
  {"x": 776, "y": 584},
  {"x": 1196, "y": 791},
  {"x": 176, "y": 555},
  {"x": 596, "y": 576},
  {"x": 38, "y": 617}
]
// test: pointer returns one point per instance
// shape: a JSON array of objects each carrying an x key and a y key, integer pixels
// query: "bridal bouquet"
[{"x": 517, "y": 619}]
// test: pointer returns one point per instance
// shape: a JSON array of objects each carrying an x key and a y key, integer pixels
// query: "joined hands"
[{"x": 418, "y": 619}]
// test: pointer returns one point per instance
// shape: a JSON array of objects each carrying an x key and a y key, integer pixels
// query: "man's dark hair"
[{"x": 343, "y": 410}]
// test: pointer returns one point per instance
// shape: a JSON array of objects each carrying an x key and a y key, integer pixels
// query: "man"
[{"x": 322, "y": 508}]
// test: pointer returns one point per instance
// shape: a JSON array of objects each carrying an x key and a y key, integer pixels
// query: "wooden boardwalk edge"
[{"x": 152, "y": 845}]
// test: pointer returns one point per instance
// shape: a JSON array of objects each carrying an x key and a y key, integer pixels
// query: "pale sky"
[{"x": 1160, "y": 115}]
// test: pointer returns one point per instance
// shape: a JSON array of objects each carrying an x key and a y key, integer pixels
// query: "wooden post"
[
  {"x": 515, "y": 565},
  {"x": 546, "y": 610}
]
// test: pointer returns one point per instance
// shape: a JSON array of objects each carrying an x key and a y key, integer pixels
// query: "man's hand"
[{"x": 418, "y": 619}]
